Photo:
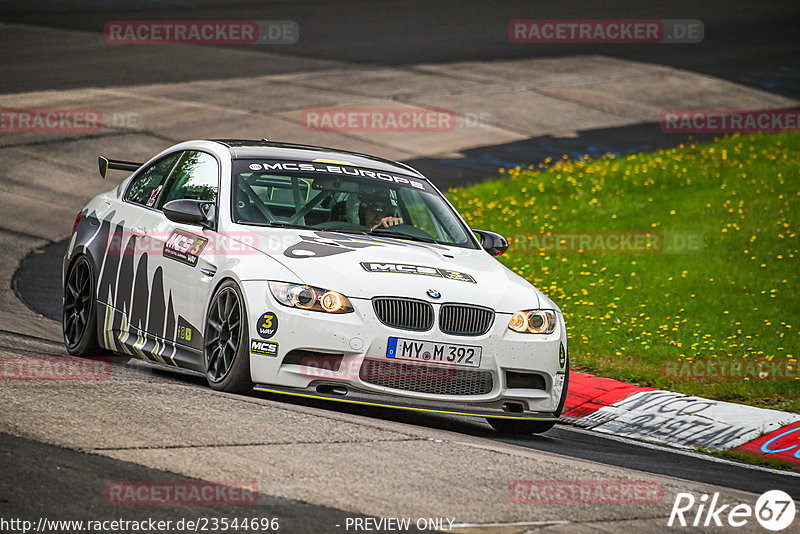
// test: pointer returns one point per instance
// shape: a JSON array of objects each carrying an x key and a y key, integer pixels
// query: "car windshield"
[{"x": 343, "y": 198}]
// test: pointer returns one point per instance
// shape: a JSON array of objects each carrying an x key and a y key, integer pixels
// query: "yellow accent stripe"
[
  {"x": 156, "y": 356},
  {"x": 107, "y": 335},
  {"x": 333, "y": 161},
  {"x": 428, "y": 410},
  {"x": 106, "y": 166},
  {"x": 138, "y": 344}
]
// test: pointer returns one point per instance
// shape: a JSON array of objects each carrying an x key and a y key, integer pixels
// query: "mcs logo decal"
[
  {"x": 403, "y": 268},
  {"x": 184, "y": 247},
  {"x": 264, "y": 348},
  {"x": 267, "y": 325}
]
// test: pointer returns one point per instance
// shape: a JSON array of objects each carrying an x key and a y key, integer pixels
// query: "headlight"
[
  {"x": 533, "y": 321},
  {"x": 310, "y": 298}
]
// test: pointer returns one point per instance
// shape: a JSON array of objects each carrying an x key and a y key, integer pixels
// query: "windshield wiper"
[
  {"x": 381, "y": 232},
  {"x": 385, "y": 232},
  {"x": 281, "y": 224}
]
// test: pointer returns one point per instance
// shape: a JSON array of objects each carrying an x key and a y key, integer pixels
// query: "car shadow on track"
[{"x": 472, "y": 426}]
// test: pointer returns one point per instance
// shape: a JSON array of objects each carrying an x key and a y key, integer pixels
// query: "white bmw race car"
[{"x": 312, "y": 272}]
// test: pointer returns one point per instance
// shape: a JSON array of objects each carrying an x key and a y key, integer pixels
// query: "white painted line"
[{"x": 704, "y": 456}]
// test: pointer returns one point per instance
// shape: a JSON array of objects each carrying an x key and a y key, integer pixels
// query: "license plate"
[{"x": 426, "y": 351}]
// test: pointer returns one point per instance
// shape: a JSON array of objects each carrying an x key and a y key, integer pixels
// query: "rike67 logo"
[{"x": 774, "y": 510}]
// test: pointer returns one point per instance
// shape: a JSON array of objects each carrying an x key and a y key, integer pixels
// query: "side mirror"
[
  {"x": 188, "y": 211},
  {"x": 493, "y": 243}
]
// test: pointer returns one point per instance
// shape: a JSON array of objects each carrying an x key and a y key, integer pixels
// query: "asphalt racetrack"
[{"x": 317, "y": 465}]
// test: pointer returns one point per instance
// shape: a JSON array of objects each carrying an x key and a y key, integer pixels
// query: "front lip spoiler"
[{"x": 368, "y": 398}]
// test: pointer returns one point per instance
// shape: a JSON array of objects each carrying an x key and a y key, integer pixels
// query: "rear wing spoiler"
[{"x": 105, "y": 164}]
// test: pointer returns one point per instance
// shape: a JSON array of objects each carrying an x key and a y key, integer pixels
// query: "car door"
[
  {"x": 123, "y": 280},
  {"x": 180, "y": 272}
]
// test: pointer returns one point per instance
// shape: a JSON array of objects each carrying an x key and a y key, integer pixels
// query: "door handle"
[{"x": 138, "y": 231}]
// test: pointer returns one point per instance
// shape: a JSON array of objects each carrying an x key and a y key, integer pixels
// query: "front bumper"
[{"x": 360, "y": 336}]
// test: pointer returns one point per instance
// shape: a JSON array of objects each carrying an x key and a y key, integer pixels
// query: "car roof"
[{"x": 245, "y": 149}]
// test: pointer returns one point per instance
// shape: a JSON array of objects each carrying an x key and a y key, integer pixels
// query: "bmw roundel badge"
[{"x": 432, "y": 293}]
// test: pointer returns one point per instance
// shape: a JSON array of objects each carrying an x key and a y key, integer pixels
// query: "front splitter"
[{"x": 368, "y": 398}]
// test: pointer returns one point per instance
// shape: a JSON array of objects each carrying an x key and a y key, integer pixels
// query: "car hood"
[{"x": 368, "y": 266}]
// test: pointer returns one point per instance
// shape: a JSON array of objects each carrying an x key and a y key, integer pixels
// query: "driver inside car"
[{"x": 376, "y": 211}]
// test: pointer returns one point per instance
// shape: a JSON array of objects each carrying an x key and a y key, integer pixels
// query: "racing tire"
[
  {"x": 527, "y": 427},
  {"x": 79, "y": 311},
  {"x": 226, "y": 353}
]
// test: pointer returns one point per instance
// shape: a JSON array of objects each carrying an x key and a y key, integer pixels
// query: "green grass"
[{"x": 629, "y": 314}]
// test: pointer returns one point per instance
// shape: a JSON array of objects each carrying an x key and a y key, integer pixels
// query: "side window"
[
  {"x": 196, "y": 176},
  {"x": 145, "y": 186}
]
